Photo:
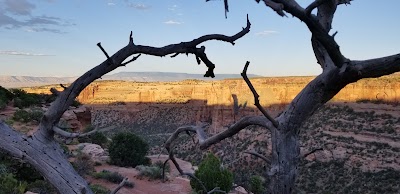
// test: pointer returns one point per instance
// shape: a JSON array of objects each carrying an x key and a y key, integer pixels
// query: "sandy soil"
[{"x": 176, "y": 184}]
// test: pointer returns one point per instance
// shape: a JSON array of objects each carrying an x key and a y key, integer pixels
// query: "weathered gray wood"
[{"x": 46, "y": 156}]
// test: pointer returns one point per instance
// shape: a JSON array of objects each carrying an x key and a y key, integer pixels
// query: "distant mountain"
[{"x": 28, "y": 81}]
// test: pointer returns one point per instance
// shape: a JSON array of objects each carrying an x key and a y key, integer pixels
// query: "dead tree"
[
  {"x": 338, "y": 71},
  {"x": 42, "y": 151}
]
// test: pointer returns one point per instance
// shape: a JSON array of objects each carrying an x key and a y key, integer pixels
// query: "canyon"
[{"x": 358, "y": 130}]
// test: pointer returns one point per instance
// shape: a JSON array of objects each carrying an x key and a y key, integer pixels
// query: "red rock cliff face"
[
  {"x": 212, "y": 101},
  {"x": 272, "y": 91}
]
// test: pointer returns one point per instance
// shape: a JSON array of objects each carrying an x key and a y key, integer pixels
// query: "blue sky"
[{"x": 59, "y": 37}]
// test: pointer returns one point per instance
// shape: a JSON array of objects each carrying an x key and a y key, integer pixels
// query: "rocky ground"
[
  {"x": 174, "y": 185},
  {"x": 359, "y": 139},
  {"x": 359, "y": 142}
]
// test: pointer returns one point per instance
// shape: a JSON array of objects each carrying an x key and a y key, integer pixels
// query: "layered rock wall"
[{"x": 272, "y": 91}]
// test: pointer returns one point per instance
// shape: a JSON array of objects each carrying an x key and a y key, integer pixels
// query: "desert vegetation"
[{"x": 42, "y": 151}]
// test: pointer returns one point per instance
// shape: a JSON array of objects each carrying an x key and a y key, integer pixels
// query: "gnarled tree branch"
[
  {"x": 277, "y": 7},
  {"x": 317, "y": 29},
  {"x": 373, "y": 68},
  {"x": 66, "y": 97},
  {"x": 44, "y": 153},
  {"x": 207, "y": 142},
  {"x": 256, "y": 96}
]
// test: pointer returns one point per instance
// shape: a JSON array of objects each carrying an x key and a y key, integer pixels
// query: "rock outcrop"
[{"x": 96, "y": 152}]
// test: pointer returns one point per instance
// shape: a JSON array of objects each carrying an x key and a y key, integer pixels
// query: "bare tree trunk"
[
  {"x": 285, "y": 139},
  {"x": 284, "y": 161},
  {"x": 46, "y": 156}
]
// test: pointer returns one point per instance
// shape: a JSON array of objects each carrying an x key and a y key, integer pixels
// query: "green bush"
[
  {"x": 5, "y": 97},
  {"x": 41, "y": 186},
  {"x": 26, "y": 101},
  {"x": 22, "y": 115},
  {"x": 155, "y": 171},
  {"x": 256, "y": 184},
  {"x": 95, "y": 138},
  {"x": 127, "y": 149},
  {"x": 152, "y": 172},
  {"x": 10, "y": 185},
  {"x": 99, "y": 139},
  {"x": 212, "y": 175},
  {"x": 98, "y": 189},
  {"x": 160, "y": 164},
  {"x": 113, "y": 177},
  {"x": 3, "y": 103},
  {"x": 27, "y": 116}
]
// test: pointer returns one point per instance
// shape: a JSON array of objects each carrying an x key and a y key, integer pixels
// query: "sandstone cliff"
[{"x": 280, "y": 90}]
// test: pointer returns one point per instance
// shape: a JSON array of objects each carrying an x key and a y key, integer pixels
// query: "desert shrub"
[
  {"x": 127, "y": 149},
  {"x": 36, "y": 114},
  {"x": 41, "y": 186},
  {"x": 27, "y": 116},
  {"x": 155, "y": 171},
  {"x": 212, "y": 175},
  {"x": 99, "y": 139},
  {"x": 5, "y": 97},
  {"x": 256, "y": 184},
  {"x": 21, "y": 115},
  {"x": 113, "y": 177},
  {"x": 98, "y": 189},
  {"x": 10, "y": 185},
  {"x": 23, "y": 99},
  {"x": 3, "y": 103},
  {"x": 160, "y": 164},
  {"x": 95, "y": 138},
  {"x": 83, "y": 164},
  {"x": 6, "y": 93},
  {"x": 152, "y": 172},
  {"x": 20, "y": 170}
]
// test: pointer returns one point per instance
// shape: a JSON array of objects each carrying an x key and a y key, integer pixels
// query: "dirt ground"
[{"x": 176, "y": 184}]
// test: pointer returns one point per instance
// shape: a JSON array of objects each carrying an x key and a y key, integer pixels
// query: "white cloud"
[
  {"x": 22, "y": 53},
  {"x": 139, "y": 6},
  {"x": 266, "y": 33},
  {"x": 17, "y": 14},
  {"x": 172, "y": 22},
  {"x": 20, "y": 7},
  {"x": 110, "y": 3},
  {"x": 173, "y": 8}
]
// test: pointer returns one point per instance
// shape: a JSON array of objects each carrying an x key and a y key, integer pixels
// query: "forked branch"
[
  {"x": 313, "y": 5},
  {"x": 61, "y": 131},
  {"x": 66, "y": 97},
  {"x": 256, "y": 96},
  {"x": 205, "y": 142}
]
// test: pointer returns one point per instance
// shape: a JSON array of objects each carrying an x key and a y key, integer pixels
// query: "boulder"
[{"x": 96, "y": 152}]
